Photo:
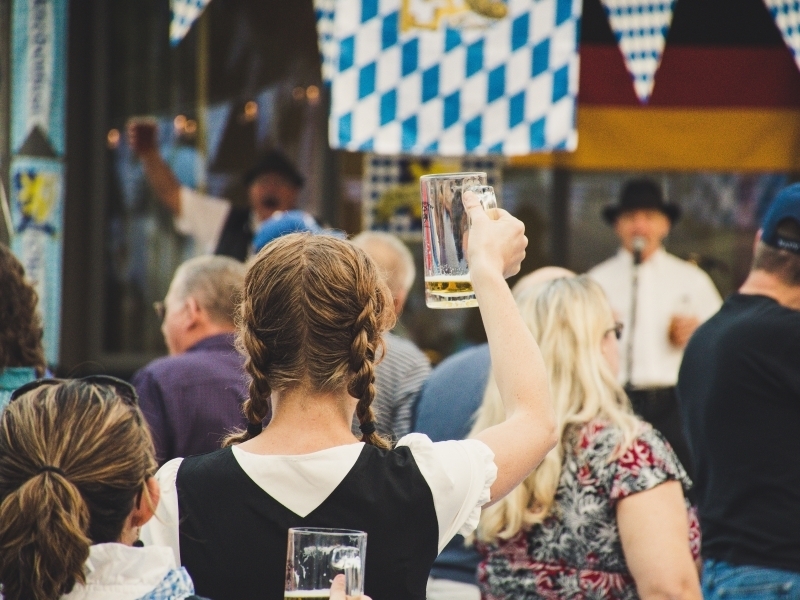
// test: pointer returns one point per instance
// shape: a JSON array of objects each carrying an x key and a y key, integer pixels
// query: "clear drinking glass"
[
  {"x": 316, "y": 555},
  {"x": 445, "y": 227}
]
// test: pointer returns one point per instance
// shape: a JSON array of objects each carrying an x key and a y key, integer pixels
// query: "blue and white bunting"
[
  {"x": 787, "y": 17},
  {"x": 451, "y": 77},
  {"x": 641, "y": 27},
  {"x": 184, "y": 14}
]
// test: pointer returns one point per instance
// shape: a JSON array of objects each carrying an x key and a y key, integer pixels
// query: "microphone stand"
[{"x": 638, "y": 246}]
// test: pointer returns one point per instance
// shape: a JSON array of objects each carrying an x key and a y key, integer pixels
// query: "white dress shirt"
[
  {"x": 667, "y": 287},
  {"x": 458, "y": 473}
]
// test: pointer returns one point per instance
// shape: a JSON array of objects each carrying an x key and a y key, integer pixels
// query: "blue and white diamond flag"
[
  {"x": 641, "y": 27},
  {"x": 325, "y": 11},
  {"x": 451, "y": 77},
  {"x": 184, "y": 14},
  {"x": 787, "y": 17}
]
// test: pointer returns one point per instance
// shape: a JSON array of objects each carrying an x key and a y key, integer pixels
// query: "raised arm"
[
  {"x": 495, "y": 250},
  {"x": 159, "y": 174}
]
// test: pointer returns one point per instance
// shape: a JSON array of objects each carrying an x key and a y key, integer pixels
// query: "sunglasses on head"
[{"x": 122, "y": 388}]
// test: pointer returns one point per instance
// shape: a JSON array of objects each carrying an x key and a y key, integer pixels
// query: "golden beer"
[
  {"x": 306, "y": 594},
  {"x": 449, "y": 291}
]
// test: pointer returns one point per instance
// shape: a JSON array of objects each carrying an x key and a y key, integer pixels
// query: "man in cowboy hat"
[{"x": 659, "y": 298}]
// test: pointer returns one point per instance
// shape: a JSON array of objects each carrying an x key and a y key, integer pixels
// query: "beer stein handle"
[{"x": 488, "y": 200}]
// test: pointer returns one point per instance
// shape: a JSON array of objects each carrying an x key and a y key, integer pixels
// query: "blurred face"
[
  {"x": 609, "y": 346},
  {"x": 271, "y": 192},
  {"x": 176, "y": 323},
  {"x": 651, "y": 225}
]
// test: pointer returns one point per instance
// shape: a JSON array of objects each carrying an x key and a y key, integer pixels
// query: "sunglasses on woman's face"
[{"x": 122, "y": 388}]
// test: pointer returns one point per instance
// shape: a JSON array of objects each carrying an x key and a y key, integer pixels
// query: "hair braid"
[
  {"x": 256, "y": 407},
  {"x": 366, "y": 341}
]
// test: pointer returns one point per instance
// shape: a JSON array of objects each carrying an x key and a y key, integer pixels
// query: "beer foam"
[
  {"x": 447, "y": 278},
  {"x": 307, "y": 594}
]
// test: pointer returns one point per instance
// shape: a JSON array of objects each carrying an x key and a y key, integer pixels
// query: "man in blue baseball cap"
[{"x": 739, "y": 392}]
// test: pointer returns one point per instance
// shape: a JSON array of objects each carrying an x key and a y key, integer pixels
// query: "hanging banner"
[
  {"x": 184, "y": 14},
  {"x": 38, "y": 88},
  {"x": 787, "y": 17},
  {"x": 451, "y": 77},
  {"x": 641, "y": 27}
]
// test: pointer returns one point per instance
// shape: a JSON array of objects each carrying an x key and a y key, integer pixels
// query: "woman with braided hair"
[{"x": 313, "y": 312}]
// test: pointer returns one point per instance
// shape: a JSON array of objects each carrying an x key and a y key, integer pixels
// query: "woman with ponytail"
[
  {"x": 76, "y": 485},
  {"x": 603, "y": 515},
  {"x": 313, "y": 312}
]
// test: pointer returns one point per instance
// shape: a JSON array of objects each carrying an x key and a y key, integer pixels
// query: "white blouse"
[
  {"x": 458, "y": 473},
  {"x": 118, "y": 572}
]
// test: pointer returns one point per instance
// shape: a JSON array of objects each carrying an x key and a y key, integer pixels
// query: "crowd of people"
[{"x": 623, "y": 434}]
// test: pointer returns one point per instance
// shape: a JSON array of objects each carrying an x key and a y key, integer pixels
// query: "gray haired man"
[{"x": 193, "y": 397}]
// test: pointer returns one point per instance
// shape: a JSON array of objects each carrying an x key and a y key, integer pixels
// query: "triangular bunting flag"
[
  {"x": 787, "y": 17},
  {"x": 184, "y": 14},
  {"x": 640, "y": 27}
]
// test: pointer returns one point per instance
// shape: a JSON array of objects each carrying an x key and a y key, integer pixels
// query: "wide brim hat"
[{"x": 641, "y": 194}]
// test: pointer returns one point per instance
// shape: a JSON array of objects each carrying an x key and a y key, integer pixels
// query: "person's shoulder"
[
  {"x": 201, "y": 466},
  {"x": 172, "y": 366},
  {"x": 474, "y": 356},
  {"x": 598, "y": 437},
  {"x": 684, "y": 267},
  {"x": 405, "y": 347}
]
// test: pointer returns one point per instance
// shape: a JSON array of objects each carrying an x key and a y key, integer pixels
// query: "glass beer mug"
[
  {"x": 316, "y": 555},
  {"x": 445, "y": 226}
]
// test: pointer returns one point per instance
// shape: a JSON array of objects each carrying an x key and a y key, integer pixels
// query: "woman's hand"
[
  {"x": 337, "y": 590},
  {"x": 494, "y": 246}
]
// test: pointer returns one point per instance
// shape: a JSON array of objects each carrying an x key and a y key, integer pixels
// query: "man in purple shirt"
[{"x": 193, "y": 397}]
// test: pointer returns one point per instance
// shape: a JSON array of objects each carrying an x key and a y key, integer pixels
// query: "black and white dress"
[{"x": 226, "y": 514}]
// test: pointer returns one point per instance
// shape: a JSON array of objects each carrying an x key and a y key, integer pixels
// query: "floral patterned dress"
[{"x": 576, "y": 552}]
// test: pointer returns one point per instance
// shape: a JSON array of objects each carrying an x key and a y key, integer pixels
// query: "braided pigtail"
[
  {"x": 366, "y": 342},
  {"x": 256, "y": 407}
]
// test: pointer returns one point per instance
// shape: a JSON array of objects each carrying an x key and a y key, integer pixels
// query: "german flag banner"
[{"x": 726, "y": 95}]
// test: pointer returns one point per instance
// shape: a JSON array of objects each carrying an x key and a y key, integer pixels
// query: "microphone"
[{"x": 638, "y": 247}]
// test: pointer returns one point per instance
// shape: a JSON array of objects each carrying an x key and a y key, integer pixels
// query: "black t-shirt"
[{"x": 739, "y": 391}]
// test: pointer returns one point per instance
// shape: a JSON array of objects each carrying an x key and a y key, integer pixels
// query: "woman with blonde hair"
[
  {"x": 313, "y": 312},
  {"x": 604, "y": 514}
]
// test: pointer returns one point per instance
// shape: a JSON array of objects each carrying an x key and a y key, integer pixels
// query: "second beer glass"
[{"x": 316, "y": 555}]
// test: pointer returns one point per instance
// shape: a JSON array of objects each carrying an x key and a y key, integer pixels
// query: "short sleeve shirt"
[
  {"x": 577, "y": 548},
  {"x": 459, "y": 473}
]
